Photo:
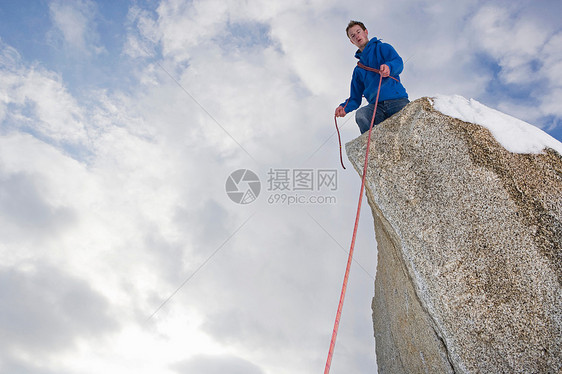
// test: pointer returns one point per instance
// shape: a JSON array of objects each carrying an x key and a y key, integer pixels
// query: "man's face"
[{"x": 358, "y": 36}]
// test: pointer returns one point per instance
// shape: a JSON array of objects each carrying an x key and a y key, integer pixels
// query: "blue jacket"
[{"x": 366, "y": 83}]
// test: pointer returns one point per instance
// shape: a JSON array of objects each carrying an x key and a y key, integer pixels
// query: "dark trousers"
[{"x": 385, "y": 109}]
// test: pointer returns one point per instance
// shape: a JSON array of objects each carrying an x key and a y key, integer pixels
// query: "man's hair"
[{"x": 354, "y": 23}]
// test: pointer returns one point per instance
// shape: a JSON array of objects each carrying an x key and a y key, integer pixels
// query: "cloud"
[
  {"x": 17, "y": 366},
  {"x": 46, "y": 310},
  {"x": 203, "y": 364},
  {"x": 74, "y": 24},
  {"x": 141, "y": 33},
  {"x": 25, "y": 209},
  {"x": 178, "y": 26},
  {"x": 513, "y": 40},
  {"x": 40, "y": 195},
  {"x": 551, "y": 70},
  {"x": 525, "y": 49},
  {"x": 38, "y": 102}
]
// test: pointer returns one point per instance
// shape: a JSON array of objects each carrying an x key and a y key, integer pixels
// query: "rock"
[{"x": 469, "y": 241}]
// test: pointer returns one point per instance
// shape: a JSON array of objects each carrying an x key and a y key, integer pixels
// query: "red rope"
[
  {"x": 335, "y": 118},
  {"x": 339, "y": 138},
  {"x": 350, "y": 257},
  {"x": 374, "y": 70}
]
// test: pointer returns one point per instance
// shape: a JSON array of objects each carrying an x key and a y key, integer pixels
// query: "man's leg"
[
  {"x": 364, "y": 116},
  {"x": 392, "y": 107}
]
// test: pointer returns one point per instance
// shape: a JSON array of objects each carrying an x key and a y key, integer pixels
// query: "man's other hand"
[{"x": 340, "y": 112}]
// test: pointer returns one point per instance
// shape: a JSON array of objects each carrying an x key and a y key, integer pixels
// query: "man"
[{"x": 373, "y": 54}]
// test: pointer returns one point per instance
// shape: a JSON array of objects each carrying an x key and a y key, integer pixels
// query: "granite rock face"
[{"x": 469, "y": 275}]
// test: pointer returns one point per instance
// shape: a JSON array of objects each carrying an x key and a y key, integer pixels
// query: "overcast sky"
[{"x": 120, "y": 123}]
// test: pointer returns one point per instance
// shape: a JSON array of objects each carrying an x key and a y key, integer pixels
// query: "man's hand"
[
  {"x": 385, "y": 70},
  {"x": 340, "y": 112}
]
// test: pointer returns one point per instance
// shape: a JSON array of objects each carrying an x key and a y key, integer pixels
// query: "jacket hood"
[{"x": 370, "y": 44}]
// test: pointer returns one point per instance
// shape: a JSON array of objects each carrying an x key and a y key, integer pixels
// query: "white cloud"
[
  {"x": 216, "y": 365},
  {"x": 74, "y": 23},
  {"x": 39, "y": 102},
  {"x": 141, "y": 33},
  {"x": 552, "y": 64},
  {"x": 46, "y": 310},
  {"x": 178, "y": 26},
  {"x": 513, "y": 40},
  {"x": 525, "y": 47}
]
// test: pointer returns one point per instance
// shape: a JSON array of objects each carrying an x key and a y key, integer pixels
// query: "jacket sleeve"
[
  {"x": 392, "y": 59},
  {"x": 356, "y": 92}
]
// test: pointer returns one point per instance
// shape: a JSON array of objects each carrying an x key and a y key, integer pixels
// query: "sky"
[{"x": 121, "y": 123}]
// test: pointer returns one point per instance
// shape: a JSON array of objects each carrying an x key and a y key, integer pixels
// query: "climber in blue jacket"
[{"x": 374, "y": 54}]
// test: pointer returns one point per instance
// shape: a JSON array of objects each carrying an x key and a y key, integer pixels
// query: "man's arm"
[
  {"x": 392, "y": 60},
  {"x": 356, "y": 91},
  {"x": 355, "y": 96}
]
